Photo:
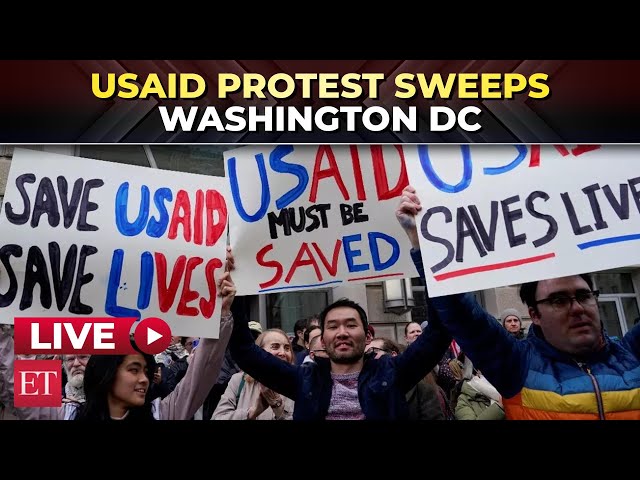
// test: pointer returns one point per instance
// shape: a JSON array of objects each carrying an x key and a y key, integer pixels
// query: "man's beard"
[
  {"x": 74, "y": 389},
  {"x": 76, "y": 381},
  {"x": 346, "y": 360}
]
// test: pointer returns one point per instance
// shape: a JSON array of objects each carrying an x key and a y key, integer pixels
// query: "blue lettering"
[
  {"x": 436, "y": 181},
  {"x": 278, "y": 165},
  {"x": 146, "y": 280},
  {"x": 265, "y": 197},
  {"x": 156, "y": 228},
  {"x": 122, "y": 221},
  {"x": 350, "y": 254},
  {"x": 111, "y": 303},
  {"x": 375, "y": 252},
  {"x": 522, "y": 153}
]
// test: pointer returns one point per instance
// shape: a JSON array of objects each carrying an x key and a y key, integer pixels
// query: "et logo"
[{"x": 37, "y": 383}]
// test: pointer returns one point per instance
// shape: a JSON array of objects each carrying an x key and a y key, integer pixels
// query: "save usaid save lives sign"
[{"x": 93, "y": 238}]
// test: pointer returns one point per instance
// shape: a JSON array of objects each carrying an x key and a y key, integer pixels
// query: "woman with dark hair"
[{"x": 116, "y": 386}]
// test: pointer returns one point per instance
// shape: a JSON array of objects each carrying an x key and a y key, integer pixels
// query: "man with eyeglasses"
[
  {"x": 316, "y": 350},
  {"x": 566, "y": 368}
]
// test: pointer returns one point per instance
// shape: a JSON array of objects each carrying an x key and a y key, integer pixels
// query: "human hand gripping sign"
[
  {"x": 406, "y": 212},
  {"x": 226, "y": 287}
]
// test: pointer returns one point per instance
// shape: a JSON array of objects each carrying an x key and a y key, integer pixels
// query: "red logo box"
[{"x": 37, "y": 383}]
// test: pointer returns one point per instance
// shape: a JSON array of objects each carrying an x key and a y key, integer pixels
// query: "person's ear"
[{"x": 535, "y": 316}]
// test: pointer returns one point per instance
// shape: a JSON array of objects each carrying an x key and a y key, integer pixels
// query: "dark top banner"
[{"x": 319, "y": 101}]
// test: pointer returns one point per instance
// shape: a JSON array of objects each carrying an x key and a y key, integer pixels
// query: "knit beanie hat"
[{"x": 510, "y": 312}]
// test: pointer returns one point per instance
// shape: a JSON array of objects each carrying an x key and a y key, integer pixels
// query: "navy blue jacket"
[{"x": 382, "y": 384}]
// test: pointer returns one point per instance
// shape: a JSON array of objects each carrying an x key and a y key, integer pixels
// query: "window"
[
  {"x": 129, "y": 154},
  {"x": 419, "y": 311},
  {"x": 618, "y": 302},
  {"x": 202, "y": 159},
  {"x": 285, "y": 309}
]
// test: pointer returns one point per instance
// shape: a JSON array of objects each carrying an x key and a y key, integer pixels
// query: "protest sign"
[
  {"x": 507, "y": 214},
  {"x": 303, "y": 217},
  {"x": 92, "y": 238}
]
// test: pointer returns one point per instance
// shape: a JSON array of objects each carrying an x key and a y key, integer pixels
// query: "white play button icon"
[{"x": 152, "y": 336}]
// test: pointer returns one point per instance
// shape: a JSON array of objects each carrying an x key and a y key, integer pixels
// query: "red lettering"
[
  {"x": 300, "y": 262},
  {"x": 332, "y": 171},
  {"x": 188, "y": 295},
  {"x": 357, "y": 172},
  {"x": 333, "y": 268},
  {"x": 184, "y": 219},
  {"x": 197, "y": 221},
  {"x": 380, "y": 173},
  {"x": 215, "y": 203},
  {"x": 562, "y": 150},
  {"x": 535, "y": 156},
  {"x": 166, "y": 295},
  {"x": 272, "y": 264},
  {"x": 208, "y": 306},
  {"x": 580, "y": 149}
]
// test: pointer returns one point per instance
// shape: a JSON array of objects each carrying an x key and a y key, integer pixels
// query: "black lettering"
[
  {"x": 315, "y": 219},
  {"x": 297, "y": 227},
  {"x": 6, "y": 251},
  {"x": 317, "y": 215},
  {"x": 21, "y": 218},
  {"x": 322, "y": 208},
  {"x": 590, "y": 191},
  {"x": 76, "y": 306},
  {"x": 552, "y": 231},
  {"x": 357, "y": 213},
  {"x": 35, "y": 272},
  {"x": 424, "y": 229},
  {"x": 573, "y": 218},
  {"x": 511, "y": 216},
  {"x": 622, "y": 207},
  {"x": 488, "y": 239},
  {"x": 69, "y": 206},
  {"x": 466, "y": 228},
  {"x": 46, "y": 202},
  {"x": 86, "y": 206},
  {"x": 62, "y": 283},
  {"x": 636, "y": 194},
  {"x": 346, "y": 213},
  {"x": 281, "y": 219}
]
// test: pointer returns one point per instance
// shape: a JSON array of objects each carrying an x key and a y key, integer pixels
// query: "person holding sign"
[
  {"x": 116, "y": 386},
  {"x": 566, "y": 368},
  {"x": 348, "y": 385}
]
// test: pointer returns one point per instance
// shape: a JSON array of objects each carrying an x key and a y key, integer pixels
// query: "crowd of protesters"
[{"x": 461, "y": 364}]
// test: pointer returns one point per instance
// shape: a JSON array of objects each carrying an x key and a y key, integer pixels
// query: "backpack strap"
[{"x": 240, "y": 389}]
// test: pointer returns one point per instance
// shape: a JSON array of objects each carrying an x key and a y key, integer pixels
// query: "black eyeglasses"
[
  {"x": 315, "y": 352},
  {"x": 377, "y": 350},
  {"x": 586, "y": 298}
]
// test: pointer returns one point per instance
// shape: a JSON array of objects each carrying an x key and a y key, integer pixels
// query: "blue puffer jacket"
[
  {"x": 538, "y": 381},
  {"x": 382, "y": 384}
]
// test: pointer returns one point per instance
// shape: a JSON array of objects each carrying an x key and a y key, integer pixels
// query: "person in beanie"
[{"x": 512, "y": 322}]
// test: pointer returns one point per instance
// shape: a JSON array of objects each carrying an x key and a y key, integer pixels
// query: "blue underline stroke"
[
  {"x": 299, "y": 286},
  {"x": 606, "y": 241}
]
